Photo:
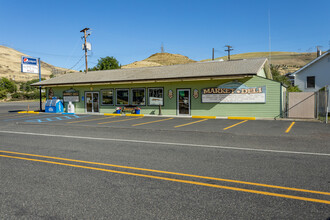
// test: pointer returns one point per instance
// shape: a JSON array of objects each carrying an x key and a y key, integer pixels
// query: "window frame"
[
  {"x": 113, "y": 97},
  {"x": 128, "y": 100},
  {"x": 310, "y": 77},
  {"x": 144, "y": 89},
  {"x": 162, "y": 88}
]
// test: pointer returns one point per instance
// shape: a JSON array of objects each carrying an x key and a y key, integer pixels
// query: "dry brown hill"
[
  {"x": 285, "y": 61},
  {"x": 160, "y": 59},
  {"x": 10, "y": 66}
]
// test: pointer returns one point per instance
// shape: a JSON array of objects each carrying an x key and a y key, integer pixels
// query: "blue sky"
[{"x": 133, "y": 30}]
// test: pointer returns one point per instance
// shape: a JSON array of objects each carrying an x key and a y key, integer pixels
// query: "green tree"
[
  {"x": 26, "y": 87},
  {"x": 283, "y": 79},
  {"x": 106, "y": 63},
  {"x": 8, "y": 85}
]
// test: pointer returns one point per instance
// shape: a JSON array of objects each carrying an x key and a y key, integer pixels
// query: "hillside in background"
[
  {"x": 10, "y": 62},
  {"x": 285, "y": 61},
  {"x": 160, "y": 59},
  {"x": 10, "y": 67}
]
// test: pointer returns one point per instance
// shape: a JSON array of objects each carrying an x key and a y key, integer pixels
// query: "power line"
[
  {"x": 77, "y": 62},
  {"x": 29, "y": 51},
  {"x": 80, "y": 66}
]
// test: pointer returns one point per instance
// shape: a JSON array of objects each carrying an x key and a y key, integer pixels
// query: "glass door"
[
  {"x": 95, "y": 102},
  {"x": 183, "y": 102},
  {"x": 92, "y": 102}
]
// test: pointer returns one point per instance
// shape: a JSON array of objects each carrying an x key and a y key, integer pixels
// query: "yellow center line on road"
[
  {"x": 289, "y": 128},
  {"x": 191, "y": 123},
  {"x": 176, "y": 180},
  {"x": 152, "y": 122},
  {"x": 235, "y": 124},
  {"x": 172, "y": 173},
  {"x": 119, "y": 120},
  {"x": 95, "y": 119}
]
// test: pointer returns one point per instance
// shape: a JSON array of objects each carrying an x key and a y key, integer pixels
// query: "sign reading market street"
[{"x": 234, "y": 92}]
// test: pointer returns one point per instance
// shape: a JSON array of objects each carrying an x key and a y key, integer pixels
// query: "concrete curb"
[
  {"x": 28, "y": 112},
  {"x": 208, "y": 117},
  {"x": 139, "y": 115},
  {"x": 242, "y": 118}
]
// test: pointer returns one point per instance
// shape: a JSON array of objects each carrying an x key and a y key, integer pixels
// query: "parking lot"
[
  {"x": 162, "y": 161},
  {"x": 244, "y": 127}
]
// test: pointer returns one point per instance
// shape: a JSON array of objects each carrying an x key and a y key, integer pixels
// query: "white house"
[{"x": 314, "y": 75}]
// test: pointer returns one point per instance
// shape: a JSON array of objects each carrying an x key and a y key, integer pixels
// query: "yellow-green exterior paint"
[{"x": 270, "y": 109}]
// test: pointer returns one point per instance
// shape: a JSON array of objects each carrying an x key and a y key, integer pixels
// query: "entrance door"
[
  {"x": 92, "y": 102},
  {"x": 183, "y": 99}
]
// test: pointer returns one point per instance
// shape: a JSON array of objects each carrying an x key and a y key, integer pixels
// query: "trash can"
[
  {"x": 70, "y": 108},
  {"x": 118, "y": 110}
]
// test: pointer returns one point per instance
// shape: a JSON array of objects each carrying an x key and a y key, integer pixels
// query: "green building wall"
[{"x": 270, "y": 109}]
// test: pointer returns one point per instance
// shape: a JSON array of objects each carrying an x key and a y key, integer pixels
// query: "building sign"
[
  {"x": 170, "y": 93},
  {"x": 71, "y": 95},
  {"x": 234, "y": 92},
  {"x": 29, "y": 65},
  {"x": 196, "y": 93}
]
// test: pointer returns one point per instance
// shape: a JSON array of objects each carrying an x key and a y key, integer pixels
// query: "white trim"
[{"x": 309, "y": 64}]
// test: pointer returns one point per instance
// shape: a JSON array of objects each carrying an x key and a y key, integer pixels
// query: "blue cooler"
[{"x": 54, "y": 105}]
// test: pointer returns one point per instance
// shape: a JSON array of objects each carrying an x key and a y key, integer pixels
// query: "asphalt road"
[{"x": 97, "y": 167}]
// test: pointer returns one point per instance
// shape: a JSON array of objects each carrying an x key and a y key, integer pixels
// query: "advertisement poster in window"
[{"x": 155, "y": 96}]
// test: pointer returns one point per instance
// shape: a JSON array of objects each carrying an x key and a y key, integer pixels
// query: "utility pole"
[
  {"x": 85, "y": 46},
  {"x": 162, "y": 48},
  {"x": 40, "y": 86},
  {"x": 212, "y": 53},
  {"x": 229, "y": 48}
]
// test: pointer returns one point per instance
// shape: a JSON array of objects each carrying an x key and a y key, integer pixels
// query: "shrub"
[{"x": 3, "y": 94}]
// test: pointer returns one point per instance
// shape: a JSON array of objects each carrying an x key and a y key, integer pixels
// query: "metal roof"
[{"x": 182, "y": 71}]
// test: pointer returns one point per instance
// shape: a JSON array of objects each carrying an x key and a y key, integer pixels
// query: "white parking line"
[{"x": 169, "y": 143}]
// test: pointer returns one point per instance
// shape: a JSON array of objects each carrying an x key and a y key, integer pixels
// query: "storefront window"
[
  {"x": 155, "y": 96},
  {"x": 138, "y": 97},
  {"x": 107, "y": 97},
  {"x": 122, "y": 96}
]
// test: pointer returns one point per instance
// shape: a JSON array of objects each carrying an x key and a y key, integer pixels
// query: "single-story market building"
[{"x": 239, "y": 88}]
